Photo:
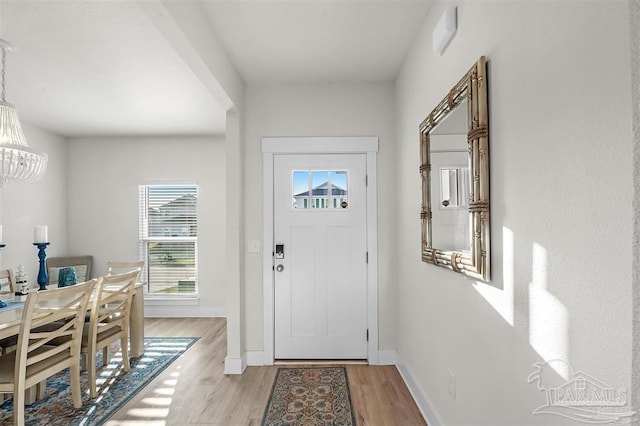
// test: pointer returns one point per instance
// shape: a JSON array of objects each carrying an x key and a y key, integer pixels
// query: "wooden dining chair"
[
  {"x": 7, "y": 289},
  {"x": 109, "y": 321},
  {"x": 81, "y": 265},
  {"x": 7, "y": 282},
  {"x": 118, "y": 267},
  {"x": 10, "y": 343},
  {"x": 36, "y": 357}
]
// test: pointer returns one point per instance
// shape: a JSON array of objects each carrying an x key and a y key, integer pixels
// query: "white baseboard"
[
  {"x": 419, "y": 396},
  {"x": 235, "y": 365},
  {"x": 164, "y": 311},
  {"x": 255, "y": 358}
]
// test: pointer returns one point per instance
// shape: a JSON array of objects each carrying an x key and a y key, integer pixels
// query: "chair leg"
[
  {"x": 106, "y": 355},
  {"x": 74, "y": 377},
  {"x": 18, "y": 406},
  {"x": 30, "y": 395},
  {"x": 91, "y": 368},
  {"x": 83, "y": 362},
  {"x": 41, "y": 389},
  {"x": 124, "y": 343}
]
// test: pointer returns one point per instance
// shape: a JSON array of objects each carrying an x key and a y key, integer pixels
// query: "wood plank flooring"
[{"x": 194, "y": 390}]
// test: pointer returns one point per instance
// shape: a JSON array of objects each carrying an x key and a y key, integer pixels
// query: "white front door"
[{"x": 320, "y": 256}]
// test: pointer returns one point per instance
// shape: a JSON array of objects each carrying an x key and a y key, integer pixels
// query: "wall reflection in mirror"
[
  {"x": 450, "y": 182},
  {"x": 454, "y": 151}
]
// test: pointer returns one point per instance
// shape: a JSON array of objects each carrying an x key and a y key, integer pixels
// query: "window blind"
[{"x": 168, "y": 238}]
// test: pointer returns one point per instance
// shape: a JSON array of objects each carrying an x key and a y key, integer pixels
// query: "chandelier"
[{"x": 18, "y": 161}]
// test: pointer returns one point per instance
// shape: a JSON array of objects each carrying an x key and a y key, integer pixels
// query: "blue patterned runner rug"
[
  {"x": 310, "y": 396},
  {"x": 115, "y": 387}
]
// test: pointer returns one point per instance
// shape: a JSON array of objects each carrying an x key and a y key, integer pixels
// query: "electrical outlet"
[{"x": 451, "y": 384}]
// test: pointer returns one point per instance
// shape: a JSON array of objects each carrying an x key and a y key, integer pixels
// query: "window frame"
[{"x": 144, "y": 239}]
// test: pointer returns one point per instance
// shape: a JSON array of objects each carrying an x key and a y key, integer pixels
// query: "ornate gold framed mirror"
[{"x": 454, "y": 167}]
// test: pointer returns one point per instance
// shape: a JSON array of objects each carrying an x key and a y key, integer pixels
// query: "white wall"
[
  {"x": 561, "y": 167},
  {"x": 103, "y": 179},
  {"x": 43, "y": 202},
  {"x": 634, "y": 23},
  {"x": 365, "y": 109}
]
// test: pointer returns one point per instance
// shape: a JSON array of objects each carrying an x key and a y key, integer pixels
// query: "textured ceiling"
[
  {"x": 100, "y": 68},
  {"x": 87, "y": 67},
  {"x": 311, "y": 41}
]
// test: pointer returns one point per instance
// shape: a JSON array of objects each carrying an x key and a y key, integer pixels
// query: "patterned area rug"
[
  {"x": 115, "y": 387},
  {"x": 310, "y": 397}
]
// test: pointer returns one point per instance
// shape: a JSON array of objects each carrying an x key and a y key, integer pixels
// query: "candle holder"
[{"x": 43, "y": 278}]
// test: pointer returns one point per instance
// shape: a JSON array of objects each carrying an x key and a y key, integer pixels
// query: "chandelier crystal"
[{"x": 18, "y": 161}]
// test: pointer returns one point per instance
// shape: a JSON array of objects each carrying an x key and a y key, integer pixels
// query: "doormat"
[{"x": 310, "y": 396}]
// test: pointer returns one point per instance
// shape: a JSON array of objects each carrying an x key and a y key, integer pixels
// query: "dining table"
[{"x": 11, "y": 316}]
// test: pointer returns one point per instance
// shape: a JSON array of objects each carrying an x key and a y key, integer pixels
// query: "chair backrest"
[
  {"x": 66, "y": 307},
  {"x": 111, "y": 303},
  {"x": 82, "y": 265},
  {"x": 7, "y": 281},
  {"x": 118, "y": 267}
]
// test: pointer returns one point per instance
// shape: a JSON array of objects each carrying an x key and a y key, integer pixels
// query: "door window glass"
[{"x": 320, "y": 189}]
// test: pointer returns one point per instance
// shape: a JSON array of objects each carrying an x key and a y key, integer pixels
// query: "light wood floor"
[{"x": 194, "y": 390}]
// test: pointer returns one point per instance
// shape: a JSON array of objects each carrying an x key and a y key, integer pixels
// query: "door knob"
[{"x": 279, "y": 268}]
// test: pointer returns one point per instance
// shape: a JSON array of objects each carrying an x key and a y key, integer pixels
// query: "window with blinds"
[{"x": 169, "y": 239}]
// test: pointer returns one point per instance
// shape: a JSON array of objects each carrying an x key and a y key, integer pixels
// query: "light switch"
[{"x": 253, "y": 246}]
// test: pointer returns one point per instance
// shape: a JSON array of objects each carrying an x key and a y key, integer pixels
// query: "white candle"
[{"x": 40, "y": 234}]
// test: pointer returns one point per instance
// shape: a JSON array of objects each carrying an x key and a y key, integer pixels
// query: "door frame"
[{"x": 320, "y": 145}]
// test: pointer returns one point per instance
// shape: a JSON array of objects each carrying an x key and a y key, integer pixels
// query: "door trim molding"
[{"x": 320, "y": 145}]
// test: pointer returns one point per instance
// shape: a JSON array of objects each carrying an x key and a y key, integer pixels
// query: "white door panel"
[{"x": 321, "y": 291}]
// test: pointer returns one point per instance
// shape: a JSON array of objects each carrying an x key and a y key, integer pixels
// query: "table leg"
[{"x": 136, "y": 323}]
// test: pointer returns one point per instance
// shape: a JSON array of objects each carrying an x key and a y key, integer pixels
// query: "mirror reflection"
[{"x": 450, "y": 182}]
